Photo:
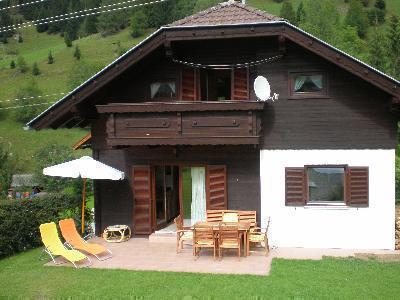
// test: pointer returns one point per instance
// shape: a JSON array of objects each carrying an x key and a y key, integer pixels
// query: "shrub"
[
  {"x": 138, "y": 24},
  {"x": 67, "y": 40},
  {"x": 35, "y": 69},
  {"x": 50, "y": 58},
  {"x": 21, "y": 63},
  {"x": 20, "y": 220},
  {"x": 77, "y": 53},
  {"x": 12, "y": 64}
]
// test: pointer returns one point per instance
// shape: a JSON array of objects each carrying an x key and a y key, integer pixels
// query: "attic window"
[
  {"x": 303, "y": 85},
  {"x": 163, "y": 90}
]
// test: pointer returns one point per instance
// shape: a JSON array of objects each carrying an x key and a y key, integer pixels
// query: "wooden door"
[
  {"x": 142, "y": 195},
  {"x": 216, "y": 187},
  {"x": 240, "y": 84}
]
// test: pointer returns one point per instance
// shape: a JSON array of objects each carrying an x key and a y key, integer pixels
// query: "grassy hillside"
[{"x": 24, "y": 143}]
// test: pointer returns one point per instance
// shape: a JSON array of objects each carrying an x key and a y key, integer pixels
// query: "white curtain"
[
  {"x": 317, "y": 80},
  {"x": 298, "y": 83},
  {"x": 198, "y": 207},
  {"x": 154, "y": 88},
  {"x": 172, "y": 87}
]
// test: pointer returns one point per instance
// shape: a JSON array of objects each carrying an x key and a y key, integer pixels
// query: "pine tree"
[
  {"x": 138, "y": 24},
  {"x": 35, "y": 69},
  {"x": 394, "y": 45},
  {"x": 300, "y": 14},
  {"x": 50, "y": 58},
  {"x": 67, "y": 40},
  {"x": 12, "y": 65},
  {"x": 357, "y": 18},
  {"x": 20, "y": 39},
  {"x": 288, "y": 13},
  {"x": 380, "y": 4},
  {"x": 21, "y": 63},
  {"x": 378, "y": 50},
  {"x": 77, "y": 53}
]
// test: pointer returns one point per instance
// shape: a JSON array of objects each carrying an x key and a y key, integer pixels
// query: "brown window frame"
[
  {"x": 304, "y": 95},
  {"x": 327, "y": 203}
]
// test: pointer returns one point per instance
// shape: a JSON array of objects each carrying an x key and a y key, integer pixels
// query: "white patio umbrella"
[{"x": 86, "y": 168}]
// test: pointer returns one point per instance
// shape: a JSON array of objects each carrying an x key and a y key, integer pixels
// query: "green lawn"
[
  {"x": 24, "y": 143},
  {"x": 24, "y": 276}
]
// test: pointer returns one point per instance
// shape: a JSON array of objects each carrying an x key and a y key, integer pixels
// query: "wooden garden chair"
[
  {"x": 74, "y": 241},
  {"x": 203, "y": 237},
  {"x": 230, "y": 217},
  {"x": 260, "y": 236},
  {"x": 229, "y": 238},
  {"x": 182, "y": 233}
]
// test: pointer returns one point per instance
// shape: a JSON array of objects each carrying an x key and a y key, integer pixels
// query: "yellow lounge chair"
[
  {"x": 75, "y": 241},
  {"x": 54, "y": 246}
]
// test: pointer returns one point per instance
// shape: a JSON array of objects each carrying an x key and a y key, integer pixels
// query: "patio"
[{"x": 159, "y": 254}]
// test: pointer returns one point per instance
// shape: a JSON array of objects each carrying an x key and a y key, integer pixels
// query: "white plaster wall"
[{"x": 326, "y": 227}]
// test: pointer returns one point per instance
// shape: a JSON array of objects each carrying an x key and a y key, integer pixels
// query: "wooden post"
[{"x": 83, "y": 205}]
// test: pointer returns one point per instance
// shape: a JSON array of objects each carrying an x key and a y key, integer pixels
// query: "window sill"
[
  {"x": 330, "y": 206},
  {"x": 301, "y": 97}
]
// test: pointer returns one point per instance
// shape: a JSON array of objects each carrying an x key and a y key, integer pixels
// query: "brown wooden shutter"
[
  {"x": 358, "y": 186},
  {"x": 295, "y": 189},
  {"x": 142, "y": 193},
  {"x": 240, "y": 84},
  {"x": 188, "y": 84},
  {"x": 216, "y": 187}
]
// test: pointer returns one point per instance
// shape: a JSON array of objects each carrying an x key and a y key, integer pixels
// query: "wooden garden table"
[{"x": 244, "y": 228}]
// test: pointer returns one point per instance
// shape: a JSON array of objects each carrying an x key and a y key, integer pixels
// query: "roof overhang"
[{"x": 175, "y": 33}]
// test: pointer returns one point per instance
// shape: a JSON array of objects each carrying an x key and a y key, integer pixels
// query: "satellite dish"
[{"x": 262, "y": 88}]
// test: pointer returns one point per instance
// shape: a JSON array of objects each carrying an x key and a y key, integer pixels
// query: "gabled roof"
[
  {"x": 186, "y": 30},
  {"x": 230, "y": 12}
]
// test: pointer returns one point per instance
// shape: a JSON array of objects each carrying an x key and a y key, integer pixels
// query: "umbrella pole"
[{"x": 83, "y": 204}]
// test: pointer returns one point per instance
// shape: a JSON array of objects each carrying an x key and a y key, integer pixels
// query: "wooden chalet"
[{"x": 180, "y": 107}]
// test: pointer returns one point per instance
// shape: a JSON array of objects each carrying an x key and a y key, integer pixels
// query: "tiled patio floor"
[{"x": 142, "y": 254}]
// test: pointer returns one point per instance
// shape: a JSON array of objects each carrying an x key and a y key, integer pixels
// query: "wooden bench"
[{"x": 215, "y": 216}]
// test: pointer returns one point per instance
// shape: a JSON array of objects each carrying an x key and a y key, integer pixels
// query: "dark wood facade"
[{"x": 130, "y": 130}]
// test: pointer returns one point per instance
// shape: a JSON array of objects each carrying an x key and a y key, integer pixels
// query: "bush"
[
  {"x": 138, "y": 24},
  {"x": 50, "y": 58},
  {"x": 20, "y": 220},
  {"x": 376, "y": 16},
  {"x": 28, "y": 95},
  {"x": 21, "y": 63},
  {"x": 35, "y": 69},
  {"x": 12, "y": 64},
  {"x": 77, "y": 53}
]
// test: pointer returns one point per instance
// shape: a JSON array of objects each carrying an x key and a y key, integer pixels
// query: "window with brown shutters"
[
  {"x": 188, "y": 84},
  {"x": 327, "y": 185},
  {"x": 216, "y": 189},
  {"x": 358, "y": 186},
  {"x": 295, "y": 192},
  {"x": 240, "y": 84}
]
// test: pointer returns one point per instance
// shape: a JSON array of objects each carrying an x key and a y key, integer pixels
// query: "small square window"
[
  {"x": 326, "y": 184},
  {"x": 163, "y": 90},
  {"x": 307, "y": 84}
]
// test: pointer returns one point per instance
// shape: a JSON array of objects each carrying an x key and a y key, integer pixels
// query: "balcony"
[{"x": 183, "y": 123}]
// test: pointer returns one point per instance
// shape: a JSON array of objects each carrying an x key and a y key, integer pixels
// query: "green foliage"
[
  {"x": 29, "y": 95},
  {"x": 12, "y": 64},
  {"x": 35, "y": 69},
  {"x": 300, "y": 13},
  {"x": 21, "y": 63},
  {"x": 380, "y": 4},
  {"x": 378, "y": 50},
  {"x": 376, "y": 16},
  {"x": 393, "y": 37},
  {"x": 67, "y": 40},
  {"x": 111, "y": 23},
  {"x": 397, "y": 178},
  {"x": 77, "y": 53},
  {"x": 20, "y": 220},
  {"x": 365, "y": 3},
  {"x": 322, "y": 20},
  {"x": 287, "y": 12},
  {"x": 204, "y": 4},
  {"x": 50, "y": 58},
  {"x": 20, "y": 39},
  {"x": 6, "y": 170},
  {"x": 352, "y": 44},
  {"x": 138, "y": 24},
  {"x": 356, "y": 17},
  {"x": 50, "y": 155},
  {"x": 80, "y": 72},
  {"x": 5, "y": 20}
]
